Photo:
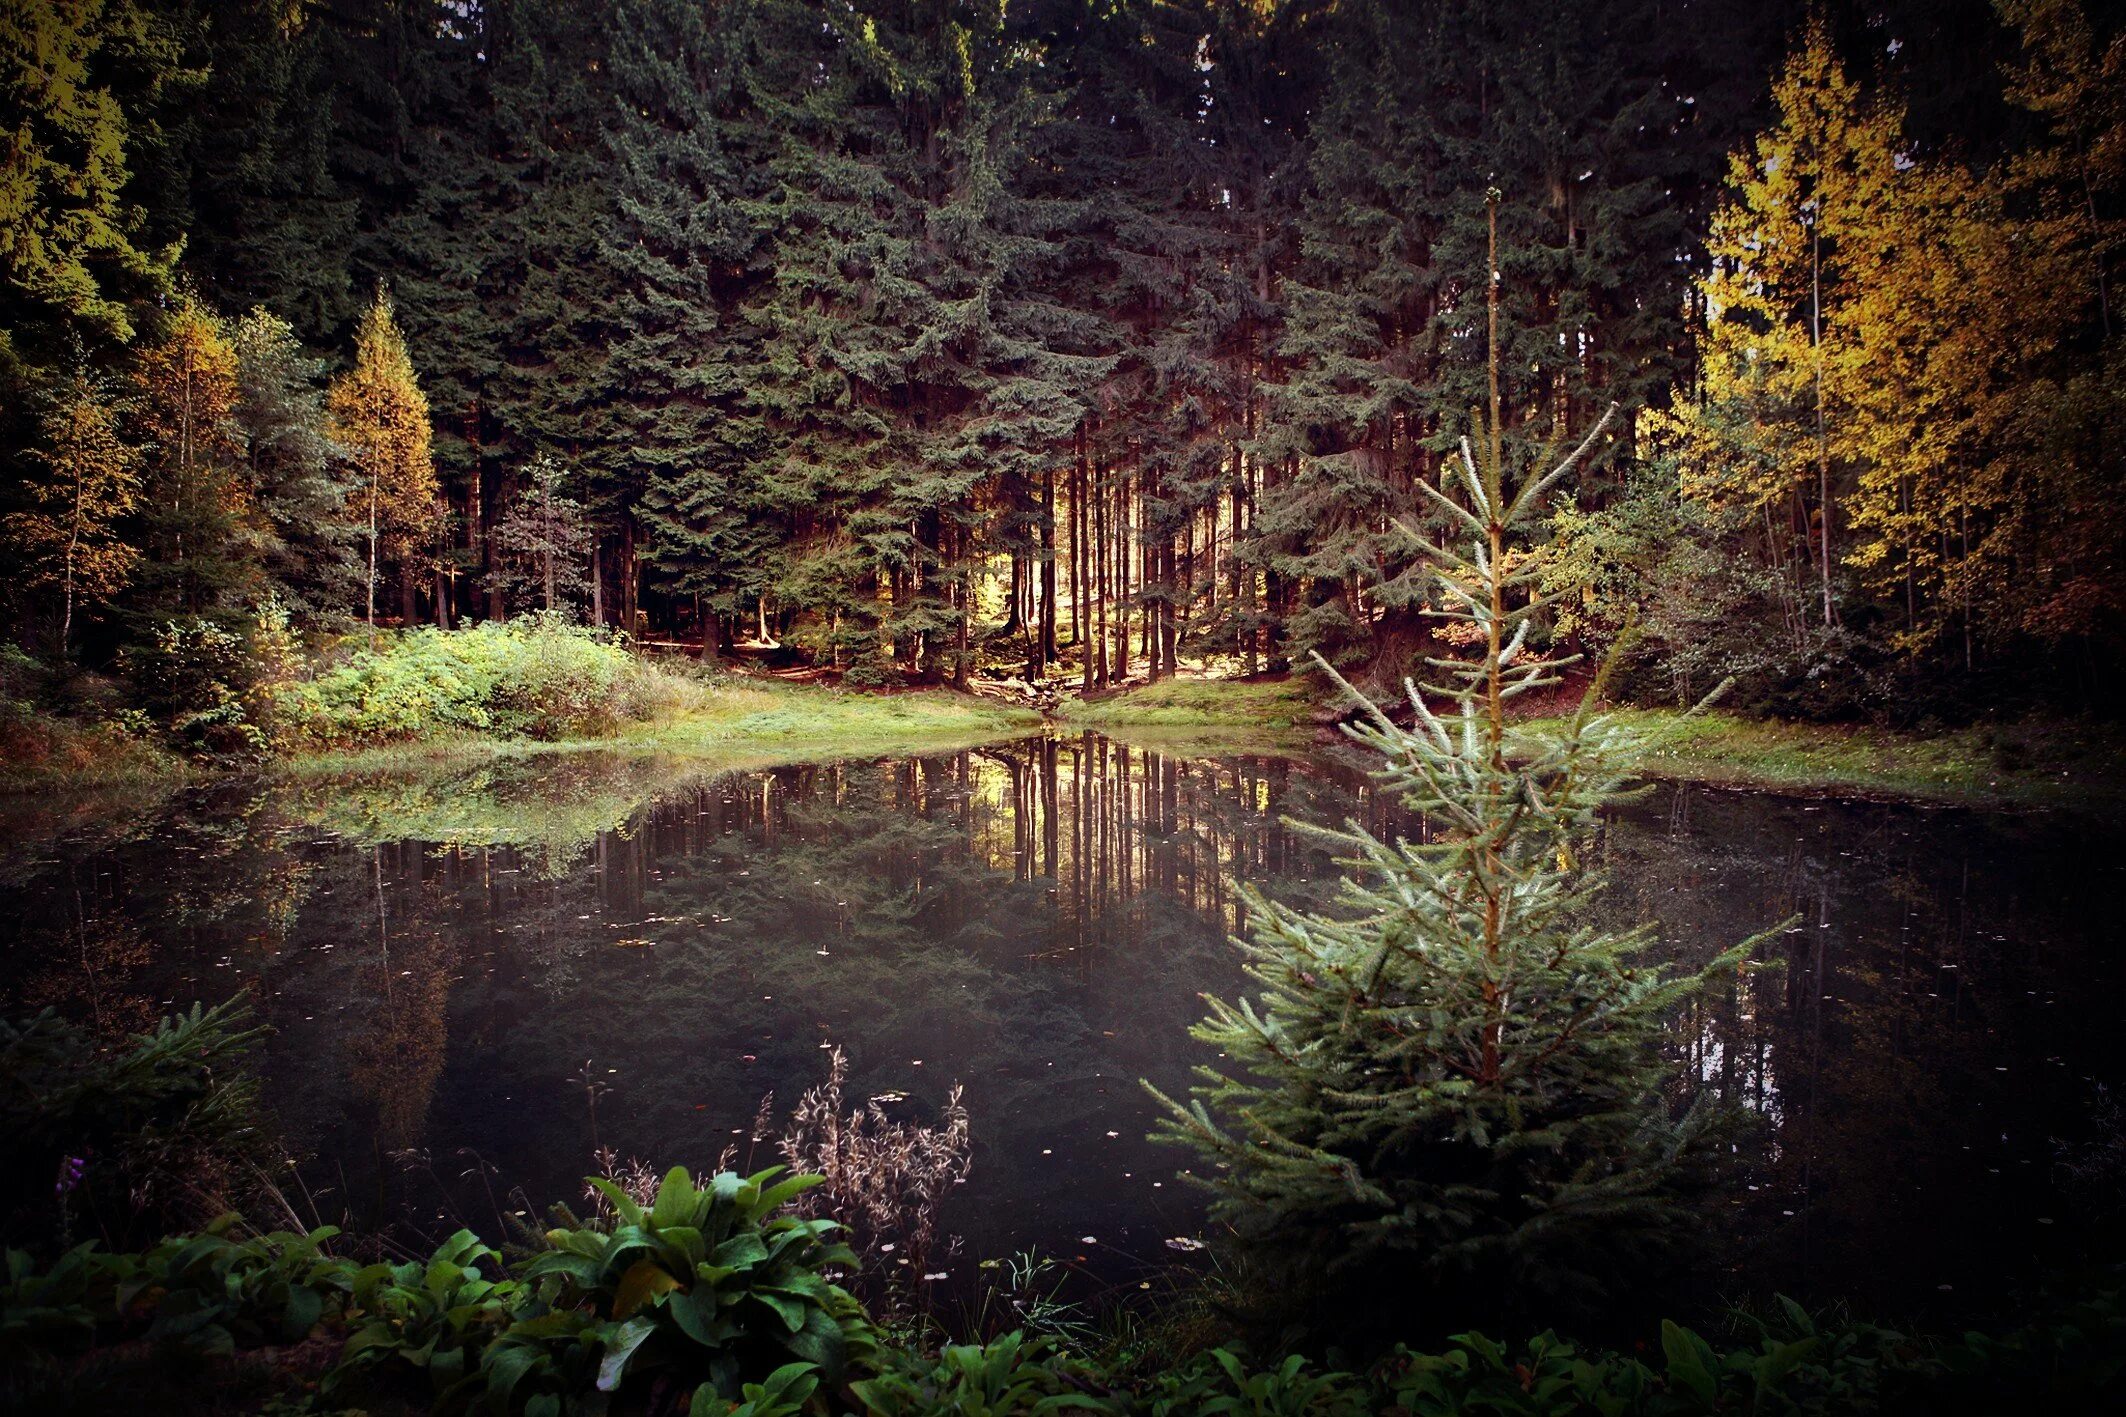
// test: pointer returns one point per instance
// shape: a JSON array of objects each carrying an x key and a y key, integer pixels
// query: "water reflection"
[{"x": 494, "y": 974}]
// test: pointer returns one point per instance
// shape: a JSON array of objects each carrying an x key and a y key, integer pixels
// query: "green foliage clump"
[
  {"x": 210, "y": 1293},
  {"x": 534, "y": 677},
  {"x": 1011, "y": 1373},
  {"x": 708, "y": 1285},
  {"x": 713, "y": 1290},
  {"x": 194, "y": 679},
  {"x": 484, "y": 1337}
]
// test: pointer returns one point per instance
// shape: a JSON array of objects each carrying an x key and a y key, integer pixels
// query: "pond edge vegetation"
[{"x": 426, "y": 699}]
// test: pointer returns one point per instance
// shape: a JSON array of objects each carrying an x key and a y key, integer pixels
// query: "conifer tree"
[
  {"x": 1589, "y": 118},
  {"x": 543, "y": 540},
  {"x": 70, "y": 536},
  {"x": 250, "y": 188},
  {"x": 376, "y": 410},
  {"x": 1459, "y": 1070},
  {"x": 301, "y": 480},
  {"x": 687, "y": 451}
]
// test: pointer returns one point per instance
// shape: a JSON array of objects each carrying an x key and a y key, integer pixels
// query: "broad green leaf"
[{"x": 620, "y": 1345}]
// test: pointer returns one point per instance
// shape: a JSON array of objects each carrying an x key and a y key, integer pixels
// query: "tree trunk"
[
  {"x": 475, "y": 509},
  {"x": 1048, "y": 572},
  {"x": 371, "y": 613},
  {"x": 1095, "y": 494},
  {"x": 597, "y": 580},
  {"x": 1823, "y": 442}
]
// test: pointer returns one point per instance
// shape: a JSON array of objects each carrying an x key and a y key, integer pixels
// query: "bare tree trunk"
[
  {"x": 442, "y": 576},
  {"x": 475, "y": 511},
  {"x": 1122, "y": 563},
  {"x": 597, "y": 579},
  {"x": 1823, "y": 444},
  {"x": 1099, "y": 574},
  {"x": 372, "y": 547},
  {"x": 1048, "y": 570}
]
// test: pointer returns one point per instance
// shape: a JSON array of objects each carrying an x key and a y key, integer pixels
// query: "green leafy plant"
[
  {"x": 708, "y": 1285},
  {"x": 437, "y": 1316},
  {"x": 1221, "y": 1384},
  {"x": 50, "y": 1311},
  {"x": 215, "y": 1293},
  {"x": 1010, "y": 1374}
]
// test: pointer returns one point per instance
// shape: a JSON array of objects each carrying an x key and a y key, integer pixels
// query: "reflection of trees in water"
[
  {"x": 395, "y": 1046},
  {"x": 1912, "y": 1044},
  {"x": 1037, "y": 920}
]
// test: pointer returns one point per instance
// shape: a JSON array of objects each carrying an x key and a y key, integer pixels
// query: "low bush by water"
[{"x": 537, "y": 677}]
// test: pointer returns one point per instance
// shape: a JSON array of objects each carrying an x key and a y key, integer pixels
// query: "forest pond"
[{"x": 476, "y": 979}]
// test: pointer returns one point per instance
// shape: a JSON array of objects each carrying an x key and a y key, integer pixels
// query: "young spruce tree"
[{"x": 1459, "y": 1073}]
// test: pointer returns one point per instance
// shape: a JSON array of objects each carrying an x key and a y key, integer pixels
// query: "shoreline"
[{"x": 750, "y": 723}]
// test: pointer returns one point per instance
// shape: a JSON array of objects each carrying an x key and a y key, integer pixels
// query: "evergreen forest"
[{"x": 1073, "y": 341}]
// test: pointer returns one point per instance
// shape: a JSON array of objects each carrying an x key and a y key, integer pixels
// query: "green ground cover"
[{"x": 2029, "y": 763}]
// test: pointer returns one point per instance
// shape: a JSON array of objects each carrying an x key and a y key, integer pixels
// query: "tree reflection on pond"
[{"x": 440, "y": 956}]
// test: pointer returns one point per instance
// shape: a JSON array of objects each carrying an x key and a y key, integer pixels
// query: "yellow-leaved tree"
[
  {"x": 69, "y": 535},
  {"x": 1885, "y": 325},
  {"x": 1770, "y": 434},
  {"x": 202, "y": 533},
  {"x": 1953, "y": 306},
  {"x": 376, "y": 410}
]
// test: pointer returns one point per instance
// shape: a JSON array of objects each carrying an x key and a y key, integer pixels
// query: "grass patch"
[
  {"x": 2025, "y": 764},
  {"x": 1275, "y": 704}
]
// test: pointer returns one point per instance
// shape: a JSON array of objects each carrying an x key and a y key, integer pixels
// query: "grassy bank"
[
  {"x": 1276, "y": 705},
  {"x": 2032, "y": 764},
  {"x": 2021, "y": 764},
  {"x": 38, "y": 751},
  {"x": 525, "y": 689},
  {"x": 463, "y": 701}
]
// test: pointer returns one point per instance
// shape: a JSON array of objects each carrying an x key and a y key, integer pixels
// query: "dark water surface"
[{"x": 491, "y": 974}]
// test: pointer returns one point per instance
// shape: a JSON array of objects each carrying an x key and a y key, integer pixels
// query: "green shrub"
[
  {"x": 215, "y": 1293},
  {"x": 873, "y": 670},
  {"x": 195, "y": 679},
  {"x": 709, "y": 1290},
  {"x": 438, "y": 1317},
  {"x": 536, "y": 677},
  {"x": 1220, "y": 1382}
]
